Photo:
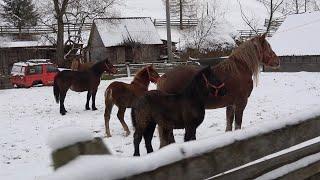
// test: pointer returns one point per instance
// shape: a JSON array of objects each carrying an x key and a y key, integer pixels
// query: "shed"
[
  {"x": 133, "y": 39},
  {"x": 13, "y": 51},
  {"x": 297, "y": 42}
]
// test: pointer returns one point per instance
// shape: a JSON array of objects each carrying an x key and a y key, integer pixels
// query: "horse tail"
[
  {"x": 108, "y": 103},
  {"x": 56, "y": 89},
  {"x": 133, "y": 117}
]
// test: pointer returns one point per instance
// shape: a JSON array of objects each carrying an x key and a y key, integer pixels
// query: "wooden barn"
[
  {"x": 296, "y": 42},
  {"x": 12, "y": 52},
  {"x": 123, "y": 40}
]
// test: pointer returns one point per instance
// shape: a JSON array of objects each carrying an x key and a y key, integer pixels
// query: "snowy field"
[{"x": 28, "y": 115}]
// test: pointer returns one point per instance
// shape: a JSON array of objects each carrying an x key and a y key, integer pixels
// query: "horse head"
[
  {"x": 268, "y": 56},
  {"x": 213, "y": 84},
  {"x": 152, "y": 74},
  {"x": 109, "y": 68}
]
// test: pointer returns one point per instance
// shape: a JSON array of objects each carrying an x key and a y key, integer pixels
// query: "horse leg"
[
  {"x": 166, "y": 136},
  {"x": 148, "y": 134},
  {"x": 137, "y": 136},
  {"x": 120, "y": 116},
  {"x": 88, "y": 99},
  {"x": 107, "y": 113},
  {"x": 239, "y": 114},
  {"x": 230, "y": 117},
  {"x": 94, "y": 92},
  {"x": 190, "y": 134},
  {"x": 62, "y": 98}
]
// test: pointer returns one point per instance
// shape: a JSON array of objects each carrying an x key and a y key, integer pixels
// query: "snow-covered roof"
[
  {"x": 298, "y": 35},
  {"x": 33, "y": 62},
  {"x": 115, "y": 31}
]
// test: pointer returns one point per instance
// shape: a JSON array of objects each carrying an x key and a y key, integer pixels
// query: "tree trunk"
[
  {"x": 60, "y": 42},
  {"x": 180, "y": 5}
]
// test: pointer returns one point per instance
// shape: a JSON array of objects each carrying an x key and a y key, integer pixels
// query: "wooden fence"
[
  {"x": 297, "y": 63},
  {"x": 223, "y": 159},
  {"x": 43, "y": 29},
  {"x": 247, "y": 34},
  {"x": 227, "y": 161},
  {"x": 176, "y": 22}
]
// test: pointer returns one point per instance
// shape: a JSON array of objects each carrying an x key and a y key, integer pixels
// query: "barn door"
[{"x": 128, "y": 54}]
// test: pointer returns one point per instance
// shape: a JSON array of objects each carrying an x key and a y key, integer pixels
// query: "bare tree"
[
  {"x": 182, "y": 9},
  {"x": 60, "y": 10},
  {"x": 272, "y": 9},
  {"x": 210, "y": 32},
  {"x": 250, "y": 21},
  {"x": 75, "y": 12},
  {"x": 271, "y": 6}
]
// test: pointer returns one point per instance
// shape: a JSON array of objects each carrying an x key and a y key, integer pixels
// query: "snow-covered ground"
[{"x": 28, "y": 115}]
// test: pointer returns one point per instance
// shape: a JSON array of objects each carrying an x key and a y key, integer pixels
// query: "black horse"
[
  {"x": 184, "y": 110},
  {"x": 79, "y": 82}
]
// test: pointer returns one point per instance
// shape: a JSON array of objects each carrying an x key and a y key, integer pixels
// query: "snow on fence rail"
[
  {"x": 176, "y": 22},
  {"x": 204, "y": 158},
  {"x": 129, "y": 69},
  {"x": 43, "y": 29}
]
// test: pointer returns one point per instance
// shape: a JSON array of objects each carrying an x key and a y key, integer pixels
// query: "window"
[
  {"x": 35, "y": 69},
  {"x": 16, "y": 69},
  {"x": 51, "y": 68}
]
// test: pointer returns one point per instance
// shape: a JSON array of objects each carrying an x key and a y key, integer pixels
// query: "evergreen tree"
[{"x": 20, "y": 13}]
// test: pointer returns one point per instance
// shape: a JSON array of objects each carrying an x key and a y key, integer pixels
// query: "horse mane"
[
  {"x": 139, "y": 73},
  {"x": 248, "y": 54},
  {"x": 194, "y": 86}
]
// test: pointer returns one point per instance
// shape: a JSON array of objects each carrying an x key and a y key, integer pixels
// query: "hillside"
[{"x": 226, "y": 14}]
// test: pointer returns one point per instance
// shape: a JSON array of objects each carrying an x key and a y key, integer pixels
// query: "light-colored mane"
[{"x": 249, "y": 54}]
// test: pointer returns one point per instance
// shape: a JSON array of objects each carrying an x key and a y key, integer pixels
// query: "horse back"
[{"x": 176, "y": 79}]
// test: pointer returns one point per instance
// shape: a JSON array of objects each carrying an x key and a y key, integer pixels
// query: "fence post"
[{"x": 128, "y": 69}]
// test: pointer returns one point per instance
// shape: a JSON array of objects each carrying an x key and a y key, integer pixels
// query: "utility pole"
[{"x": 169, "y": 44}]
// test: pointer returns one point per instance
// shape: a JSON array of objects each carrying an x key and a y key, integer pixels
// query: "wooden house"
[
  {"x": 123, "y": 40},
  {"x": 296, "y": 42}
]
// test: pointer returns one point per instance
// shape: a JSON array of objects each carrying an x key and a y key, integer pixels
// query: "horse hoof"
[
  {"x": 108, "y": 135},
  {"x": 87, "y": 108},
  {"x": 127, "y": 134},
  {"x": 94, "y": 108},
  {"x": 63, "y": 113},
  {"x": 136, "y": 154}
]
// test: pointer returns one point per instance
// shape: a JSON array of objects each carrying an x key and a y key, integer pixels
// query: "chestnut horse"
[
  {"x": 239, "y": 71},
  {"x": 123, "y": 95},
  {"x": 77, "y": 65},
  {"x": 184, "y": 110},
  {"x": 80, "y": 81}
]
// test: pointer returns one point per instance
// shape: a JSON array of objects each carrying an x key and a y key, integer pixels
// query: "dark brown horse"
[
  {"x": 77, "y": 65},
  {"x": 184, "y": 110},
  {"x": 240, "y": 71},
  {"x": 80, "y": 81},
  {"x": 123, "y": 95}
]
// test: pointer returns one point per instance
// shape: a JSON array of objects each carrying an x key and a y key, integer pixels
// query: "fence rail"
[
  {"x": 176, "y": 22},
  {"x": 247, "y": 34},
  {"x": 43, "y": 29}
]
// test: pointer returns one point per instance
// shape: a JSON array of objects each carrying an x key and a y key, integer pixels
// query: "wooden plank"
[
  {"x": 255, "y": 170},
  {"x": 236, "y": 154}
]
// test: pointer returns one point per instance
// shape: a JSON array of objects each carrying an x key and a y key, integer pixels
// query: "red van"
[{"x": 33, "y": 72}]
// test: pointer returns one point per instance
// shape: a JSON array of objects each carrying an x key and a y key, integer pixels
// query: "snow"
[
  {"x": 115, "y": 32},
  {"x": 64, "y": 136},
  {"x": 304, "y": 162},
  {"x": 297, "y": 35},
  {"x": 28, "y": 115}
]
